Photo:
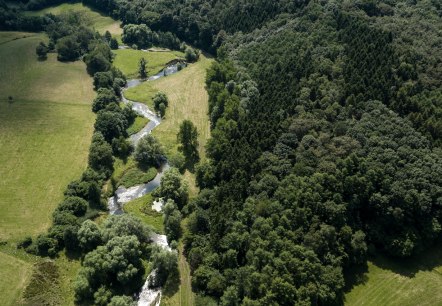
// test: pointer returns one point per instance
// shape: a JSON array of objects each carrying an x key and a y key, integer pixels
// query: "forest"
[{"x": 325, "y": 148}]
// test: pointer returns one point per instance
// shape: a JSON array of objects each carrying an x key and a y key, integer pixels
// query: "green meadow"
[
  {"x": 95, "y": 19},
  {"x": 395, "y": 282},
  {"x": 45, "y": 132},
  {"x": 127, "y": 60}
]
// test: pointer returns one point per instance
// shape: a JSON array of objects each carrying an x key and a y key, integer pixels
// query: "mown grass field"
[
  {"x": 95, "y": 19},
  {"x": 188, "y": 99},
  {"x": 392, "y": 282},
  {"x": 44, "y": 142},
  {"x": 127, "y": 60}
]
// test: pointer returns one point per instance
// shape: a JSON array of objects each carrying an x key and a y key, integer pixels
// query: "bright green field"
[
  {"x": 44, "y": 134},
  {"x": 405, "y": 283},
  {"x": 100, "y": 22},
  {"x": 127, "y": 60},
  {"x": 44, "y": 141},
  {"x": 142, "y": 208}
]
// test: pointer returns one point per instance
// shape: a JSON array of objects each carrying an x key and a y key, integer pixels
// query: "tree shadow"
[
  {"x": 408, "y": 267},
  {"x": 172, "y": 284}
]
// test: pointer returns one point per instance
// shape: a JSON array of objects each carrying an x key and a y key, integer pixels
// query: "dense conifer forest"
[{"x": 326, "y": 137}]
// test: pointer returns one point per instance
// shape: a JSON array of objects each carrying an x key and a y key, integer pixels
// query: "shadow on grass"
[
  {"x": 172, "y": 285},
  {"x": 407, "y": 267}
]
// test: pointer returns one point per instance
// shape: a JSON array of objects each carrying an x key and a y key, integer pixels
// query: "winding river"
[{"x": 148, "y": 296}]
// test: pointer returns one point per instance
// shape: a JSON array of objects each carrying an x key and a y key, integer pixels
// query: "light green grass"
[
  {"x": 44, "y": 142},
  {"x": 138, "y": 125},
  {"x": 142, "y": 208},
  {"x": 391, "y": 282},
  {"x": 127, "y": 60},
  {"x": 14, "y": 274},
  {"x": 128, "y": 174},
  {"x": 44, "y": 134},
  {"x": 95, "y": 19},
  {"x": 143, "y": 93},
  {"x": 188, "y": 99}
]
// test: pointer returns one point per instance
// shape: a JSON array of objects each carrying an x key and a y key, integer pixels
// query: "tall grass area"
[
  {"x": 45, "y": 133},
  {"x": 393, "y": 282},
  {"x": 95, "y": 19},
  {"x": 127, "y": 60},
  {"x": 14, "y": 274}
]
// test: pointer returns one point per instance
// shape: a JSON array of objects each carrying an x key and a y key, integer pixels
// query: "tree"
[
  {"x": 100, "y": 155},
  {"x": 123, "y": 300},
  {"x": 160, "y": 102},
  {"x": 188, "y": 138},
  {"x": 105, "y": 96},
  {"x": 125, "y": 225},
  {"x": 113, "y": 44},
  {"x": 172, "y": 187},
  {"x": 111, "y": 124},
  {"x": 149, "y": 152},
  {"x": 191, "y": 55},
  {"x": 142, "y": 71},
  {"x": 75, "y": 205},
  {"x": 41, "y": 50},
  {"x": 68, "y": 48},
  {"x": 89, "y": 236},
  {"x": 107, "y": 36},
  {"x": 166, "y": 265},
  {"x": 172, "y": 221}
]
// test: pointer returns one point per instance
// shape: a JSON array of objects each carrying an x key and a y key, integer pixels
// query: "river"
[{"x": 148, "y": 296}]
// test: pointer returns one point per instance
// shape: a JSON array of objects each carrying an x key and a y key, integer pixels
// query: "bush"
[
  {"x": 191, "y": 55},
  {"x": 104, "y": 97},
  {"x": 75, "y": 205},
  {"x": 149, "y": 152}
]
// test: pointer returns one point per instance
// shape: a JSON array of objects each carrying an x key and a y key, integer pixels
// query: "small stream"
[{"x": 148, "y": 296}]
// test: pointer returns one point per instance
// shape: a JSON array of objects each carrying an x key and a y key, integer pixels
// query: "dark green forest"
[{"x": 326, "y": 141}]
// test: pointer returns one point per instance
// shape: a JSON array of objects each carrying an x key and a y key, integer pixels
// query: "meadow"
[
  {"x": 95, "y": 19},
  {"x": 187, "y": 100},
  {"x": 127, "y": 60},
  {"x": 394, "y": 282},
  {"x": 45, "y": 132}
]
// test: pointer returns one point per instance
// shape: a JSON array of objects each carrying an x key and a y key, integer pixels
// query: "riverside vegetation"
[{"x": 324, "y": 156}]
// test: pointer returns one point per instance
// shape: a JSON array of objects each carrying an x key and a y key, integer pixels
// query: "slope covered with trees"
[{"x": 325, "y": 139}]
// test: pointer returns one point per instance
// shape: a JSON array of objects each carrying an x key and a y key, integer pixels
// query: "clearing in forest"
[{"x": 95, "y": 19}]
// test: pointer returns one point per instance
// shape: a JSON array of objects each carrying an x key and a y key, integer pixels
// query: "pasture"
[
  {"x": 94, "y": 19},
  {"x": 393, "y": 282},
  {"x": 127, "y": 60},
  {"x": 45, "y": 133}
]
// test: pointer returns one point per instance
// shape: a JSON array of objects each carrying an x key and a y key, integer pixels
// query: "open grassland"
[
  {"x": 95, "y": 19},
  {"x": 127, "y": 60},
  {"x": 45, "y": 133},
  {"x": 9, "y": 36},
  {"x": 142, "y": 208},
  {"x": 14, "y": 274},
  {"x": 188, "y": 99},
  {"x": 400, "y": 283}
]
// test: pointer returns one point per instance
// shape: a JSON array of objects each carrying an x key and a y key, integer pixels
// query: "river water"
[{"x": 148, "y": 296}]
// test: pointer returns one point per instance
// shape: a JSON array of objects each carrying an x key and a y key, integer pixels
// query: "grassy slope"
[
  {"x": 100, "y": 22},
  {"x": 187, "y": 100},
  {"x": 402, "y": 283},
  {"x": 44, "y": 134},
  {"x": 14, "y": 274},
  {"x": 44, "y": 139},
  {"x": 127, "y": 60}
]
